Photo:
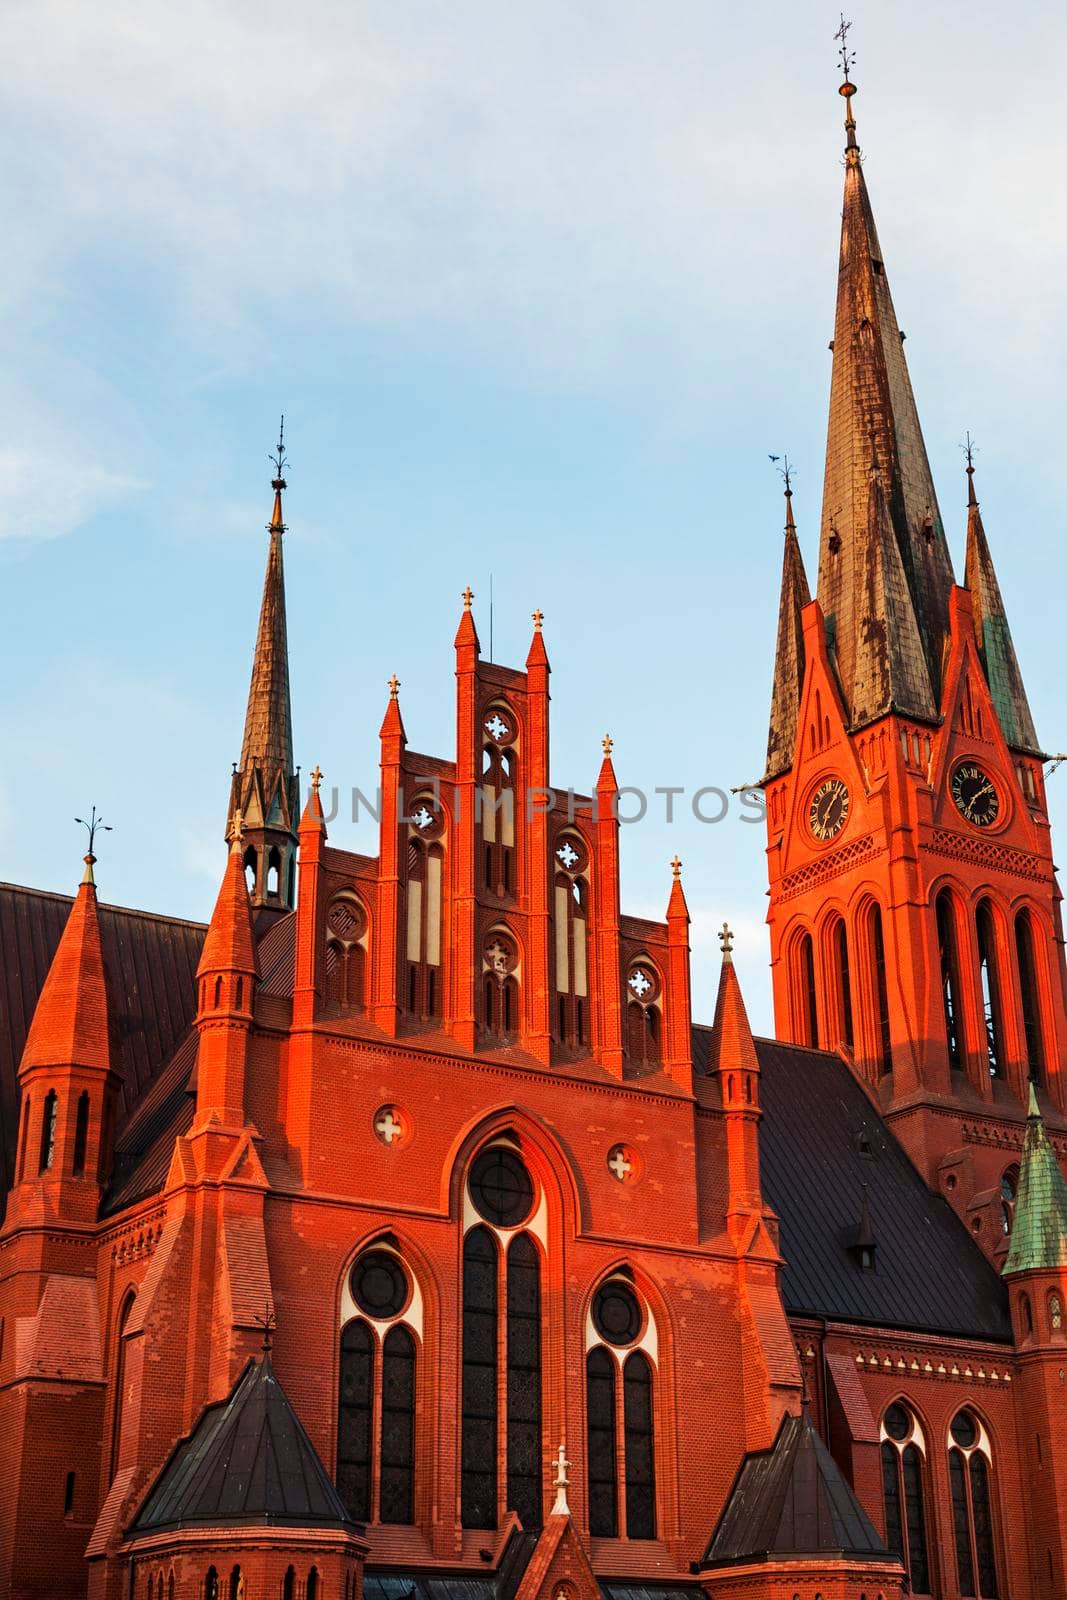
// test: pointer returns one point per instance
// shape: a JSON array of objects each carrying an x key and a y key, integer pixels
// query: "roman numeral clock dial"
[
  {"x": 974, "y": 795},
  {"x": 828, "y": 811}
]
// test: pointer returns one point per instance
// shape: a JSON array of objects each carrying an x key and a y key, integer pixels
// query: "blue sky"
[{"x": 539, "y": 289}]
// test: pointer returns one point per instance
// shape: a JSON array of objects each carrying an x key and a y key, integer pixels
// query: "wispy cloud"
[{"x": 46, "y": 493}]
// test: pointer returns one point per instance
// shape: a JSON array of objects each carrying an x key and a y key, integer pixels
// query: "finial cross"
[
  {"x": 238, "y": 825},
  {"x": 394, "y": 687},
  {"x": 93, "y": 826},
  {"x": 268, "y": 1323},
  {"x": 726, "y": 939},
  {"x": 280, "y": 463},
  {"x": 607, "y": 744},
  {"x": 538, "y": 618},
  {"x": 676, "y": 866},
  {"x": 316, "y": 777},
  {"x": 848, "y": 57},
  {"x": 970, "y": 450},
  {"x": 467, "y": 596}
]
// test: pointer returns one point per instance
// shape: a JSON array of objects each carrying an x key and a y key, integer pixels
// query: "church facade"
[{"x": 400, "y": 1233}]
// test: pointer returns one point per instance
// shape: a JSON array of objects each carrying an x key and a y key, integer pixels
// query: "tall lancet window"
[
  {"x": 571, "y": 921},
  {"x": 382, "y": 1323},
  {"x": 501, "y": 978},
  {"x": 426, "y": 855},
  {"x": 970, "y": 1485},
  {"x": 805, "y": 1008},
  {"x": 502, "y": 1433},
  {"x": 904, "y": 1494},
  {"x": 1028, "y": 993},
  {"x": 499, "y": 787},
  {"x": 644, "y": 1014},
  {"x": 950, "y": 977},
  {"x": 880, "y": 986},
  {"x": 843, "y": 981},
  {"x": 620, "y": 1425},
  {"x": 989, "y": 976}
]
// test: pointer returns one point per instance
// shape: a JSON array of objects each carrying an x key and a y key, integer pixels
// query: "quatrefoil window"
[
  {"x": 423, "y": 818},
  {"x": 497, "y": 729},
  {"x": 568, "y": 855},
  {"x": 640, "y": 983}
]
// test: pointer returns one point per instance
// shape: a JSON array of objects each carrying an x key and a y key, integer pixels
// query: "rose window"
[
  {"x": 497, "y": 728},
  {"x": 640, "y": 983}
]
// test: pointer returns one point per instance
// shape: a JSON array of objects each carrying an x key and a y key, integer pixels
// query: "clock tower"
[{"x": 914, "y": 911}]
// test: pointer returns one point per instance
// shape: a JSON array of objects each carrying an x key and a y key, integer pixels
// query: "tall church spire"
[
  {"x": 264, "y": 788},
  {"x": 995, "y": 648},
  {"x": 789, "y": 652},
  {"x": 871, "y": 403}
]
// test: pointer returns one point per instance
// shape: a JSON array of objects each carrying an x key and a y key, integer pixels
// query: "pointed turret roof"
[
  {"x": 537, "y": 656},
  {"x": 731, "y": 1045},
  {"x": 871, "y": 399},
  {"x": 995, "y": 648},
  {"x": 467, "y": 633},
  {"x": 268, "y": 735},
  {"x": 1039, "y": 1227},
  {"x": 70, "y": 1021},
  {"x": 789, "y": 659},
  {"x": 792, "y": 1500},
  {"x": 247, "y": 1462},
  {"x": 230, "y": 945}
]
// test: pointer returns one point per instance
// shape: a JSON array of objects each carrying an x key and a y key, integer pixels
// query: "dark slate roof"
[
  {"x": 248, "y": 1461},
  {"x": 151, "y": 966},
  {"x": 792, "y": 1500},
  {"x": 420, "y": 1585},
  {"x": 823, "y": 1146}
]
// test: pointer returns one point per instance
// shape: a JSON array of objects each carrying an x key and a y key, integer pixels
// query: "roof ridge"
[{"x": 104, "y": 905}]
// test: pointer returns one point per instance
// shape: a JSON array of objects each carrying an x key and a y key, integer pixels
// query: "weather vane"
[
  {"x": 848, "y": 57},
  {"x": 94, "y": 824},
  {"x": 279, "y": 460},
  {"x": 970, "y": 450},
  {"x": 786, "y": 475}
]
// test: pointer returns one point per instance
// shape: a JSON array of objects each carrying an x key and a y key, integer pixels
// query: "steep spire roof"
[
  {"x": 995, "y": 648},
  {"x": 890, "y": 666},
  {"x": 247, "y": 1462},
  {"x": 792, "y": 1501},
  {"x": 789, "y": 660},
  {"x": 1039, "y": 1228},
  {"x": 268, "y": 735},
  {"x": 871, "y": 403},
  {"x": 70, "y": 1022}
]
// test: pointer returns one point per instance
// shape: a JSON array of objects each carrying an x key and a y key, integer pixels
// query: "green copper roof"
[{"x": 1039, "y": 1231}]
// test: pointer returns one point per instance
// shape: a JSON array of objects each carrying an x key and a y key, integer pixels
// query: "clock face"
[
  {"x": 975, "y": 795},
  {"x": 828, "y": 811}
]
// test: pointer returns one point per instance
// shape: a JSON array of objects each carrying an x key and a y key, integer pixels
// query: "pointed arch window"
[
  {"x": 497, "y": 799},
  {"x": 882, "y": 1031},
  {"x": 211, "y": 1584},
  {"x": 643, "y": 1014},
  {"x": 501, "y": 1324},
  {"x": 989, "y": 978},
  {"x": 619, "y": 1404},
  {"x": 426, "y": 828},
  {"x": 81, "y": 1135},
  {"x": 49, "y": 1123},
  {"x": 120, "y": 1379},
  {"x": 903, "y": 1493},
  {"x": 1028, "y": 993},
  {"x": 376, "y": 1402},
  {"x": 805, "y": 1008},
  {"x": 27, "y": 1111},
  {"x": 346, "y": 952},
  {"x": 570, "y": 919},
  {"x": 501, "y": 972},
  {"x": 969, "y": 1471},
  {"x": 950, "y": 977},
  {"x": 843, "y": 981}
]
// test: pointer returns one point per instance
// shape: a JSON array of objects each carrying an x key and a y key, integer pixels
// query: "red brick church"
[{"x": 401, "y": 1233}]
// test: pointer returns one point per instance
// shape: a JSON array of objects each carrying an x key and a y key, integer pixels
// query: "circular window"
[
  {"x": 498, "y": 726},
  {"x": 345, "y": 919},
  {"x": 379, "y": 1285},
  {"x": 500, "y": 955},
  {"x": 427, "y": 818},
  {"x": 964, "y": 1429},
  {"x": 897, "y": 1423},
  {"x": 643, "y": 982},
  {"x": 501, "y": 1187},
  {"x": 616, "y": 1313},
  {"x": 571, "y": 854}
]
